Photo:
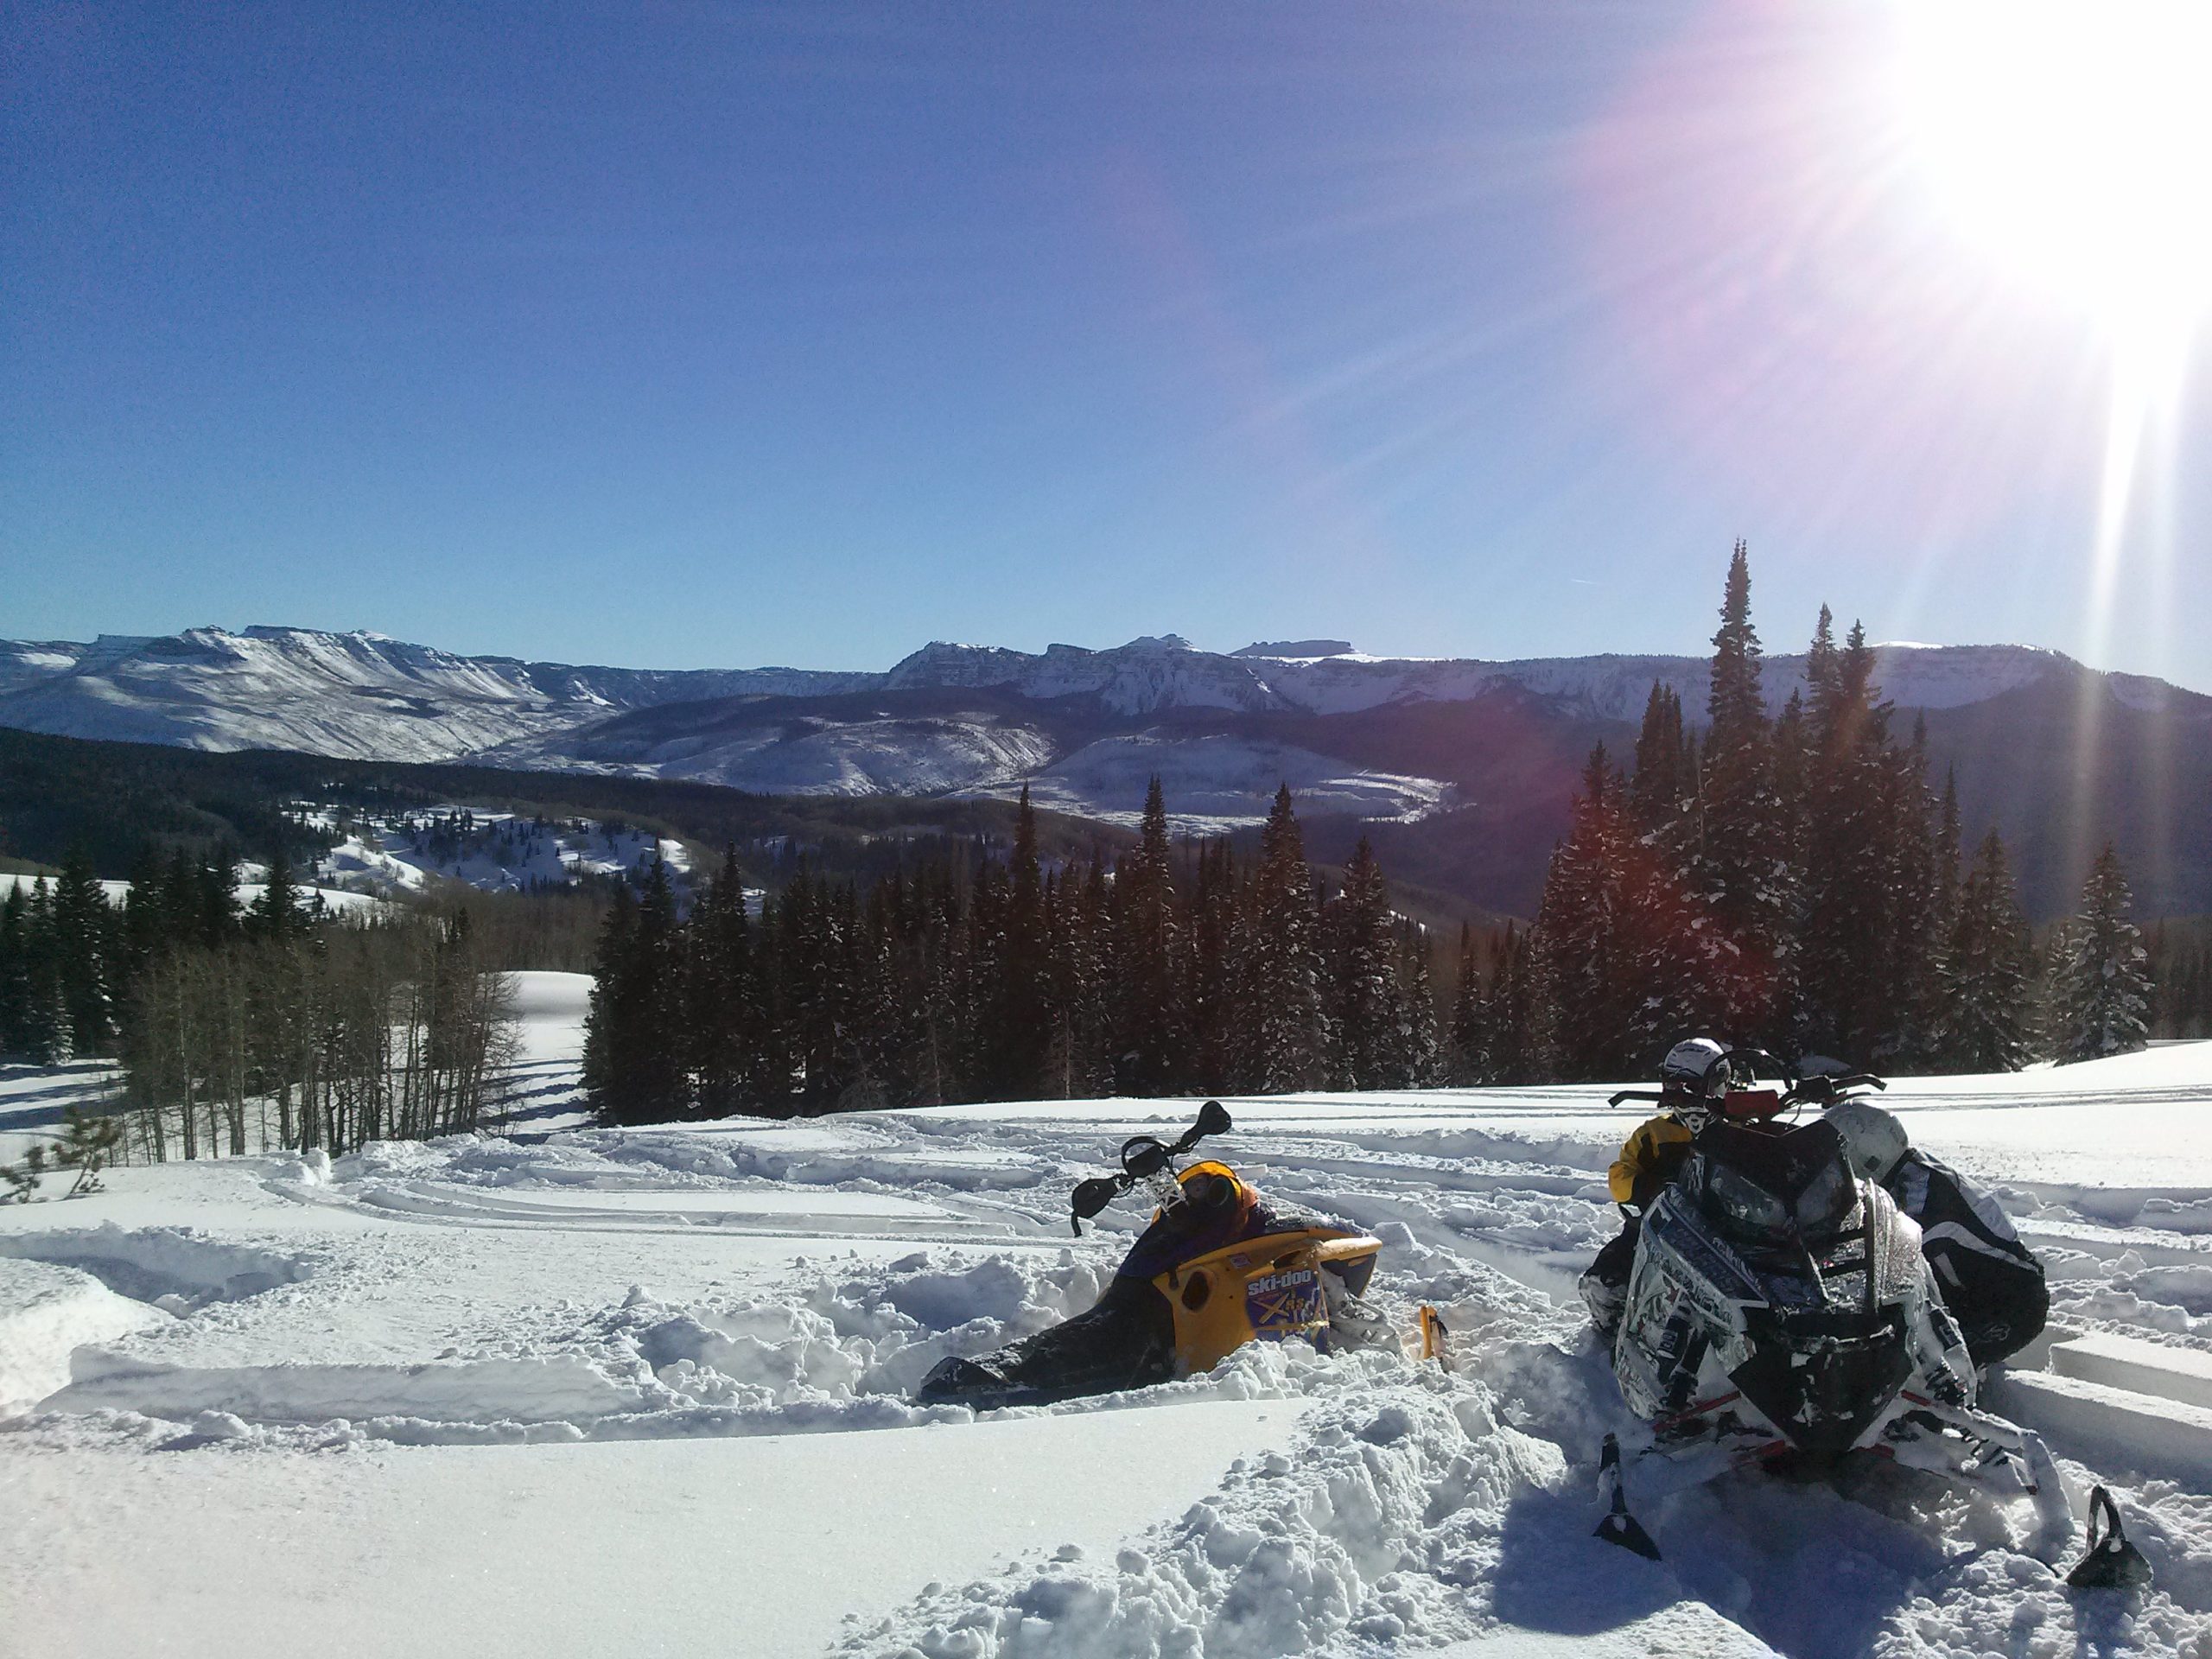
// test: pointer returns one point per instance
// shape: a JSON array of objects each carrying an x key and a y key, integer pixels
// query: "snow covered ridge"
[{"x": 363, "y": 696}]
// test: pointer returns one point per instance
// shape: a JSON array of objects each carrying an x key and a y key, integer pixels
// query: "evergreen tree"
[
  {"x": 79, "y": 950},
  {"x": 1850, "y": 889},
  {"x": 634, "y": 1036},
  {"x": 723, "y": 1015},
  {"x": 1151, "y": 1030},
  {"x": 1283, "y": 1040},
  {"x": 1214, "y": 993},
  {"x": 1517, "y": 1041},
  {"x": 1470, "y": 1061},
  {"x": 1020, "y": 1031},
  {"x": 1420, "y": 1059},
  {"x": 1742, "y": 872},
  {"x": 1990, "y": 995},
  {"x": 277, "y": 914},
  {"x": 2104, "y": 991},
  {"x": 15, "y": 974},
  {"x": 1579, "y": 921},
  {"x": 1369, "y": 1031}
]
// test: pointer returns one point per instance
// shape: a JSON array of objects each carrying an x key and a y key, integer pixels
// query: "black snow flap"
[{"x": 2113, "y": 1563}]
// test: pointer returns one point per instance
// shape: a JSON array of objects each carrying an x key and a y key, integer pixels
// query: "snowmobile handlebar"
[{"x": 1143, "y": 1156}]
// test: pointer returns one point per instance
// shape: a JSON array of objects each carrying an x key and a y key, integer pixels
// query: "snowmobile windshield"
[
  {"x": 1759, "y": 1184},
  {"x": 1826, "y": 1201},
  {"x": 1742, "y": 1205}
]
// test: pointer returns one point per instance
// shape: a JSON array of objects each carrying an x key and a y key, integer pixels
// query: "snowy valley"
[{"x": 565, "y": 1389}]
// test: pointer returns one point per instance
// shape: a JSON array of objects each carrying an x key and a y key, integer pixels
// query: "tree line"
[
  {"x": 1791, "y": 880},
  {"x": 1167, "y": 970},
  {"x": 245, "y": 1027}
]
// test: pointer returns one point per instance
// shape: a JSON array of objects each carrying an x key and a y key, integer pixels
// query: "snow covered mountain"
[
  {"x": 355, "y": 694},
  {"x": 367, "y": 696},
  {"x": 1491, "y": 746}
]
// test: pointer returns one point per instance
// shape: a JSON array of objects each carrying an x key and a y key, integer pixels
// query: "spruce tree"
[
  {"x": 1850, "y": 885},
  {"x": 1370, "y": 1032},
  {"x": 1469, "y": 1060},
  {"x": 722, "y": 1018},
  {"x": 1283, "y": 1037},
  {"x": 277, "y": 913},
  {"x": 1150, "y": 1020},
  {"x": 1022, "y": 1015},
  {"x": 1989, "y": 1002},
  {"x": 80, "y": 950},
  {"x": 1589, "y": 985},
  {"x": 1742, "y": 876},
  {"x": 2104, "y": 990}
]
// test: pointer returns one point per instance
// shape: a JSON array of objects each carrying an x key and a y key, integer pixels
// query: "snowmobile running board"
[
  {"x": 1618, "y": 1526},
  {"x": 2111, "y": 1563}
]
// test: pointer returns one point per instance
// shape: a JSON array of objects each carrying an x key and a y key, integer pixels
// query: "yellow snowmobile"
[{"x": 1217, "y": 1267}]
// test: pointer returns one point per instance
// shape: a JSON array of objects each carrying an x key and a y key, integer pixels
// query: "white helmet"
[
  {"x": 1688, "y": 1062},
  {"x": 1873, "y": 1139}
]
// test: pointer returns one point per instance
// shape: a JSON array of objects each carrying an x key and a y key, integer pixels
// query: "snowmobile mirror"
[
  {"x": 1090, "y": 1198},
  {"x": 1213, "y": 1119},
  {"x": 1142, "y": 1157}
]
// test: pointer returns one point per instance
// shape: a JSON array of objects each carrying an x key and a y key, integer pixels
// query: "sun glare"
[{"x": 2071, "y": 140}]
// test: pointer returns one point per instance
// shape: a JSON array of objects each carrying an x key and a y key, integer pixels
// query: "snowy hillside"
[
  {"x": 642, "y": 1391},
  {"x": 494, "y": 852},
  {"x": 363, "y": 696},
  {"x": 357, "y": 695}
]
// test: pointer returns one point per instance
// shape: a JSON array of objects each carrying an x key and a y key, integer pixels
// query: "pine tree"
[
  {"x": 1151, "y": 1038},
  {"x": 1283, "y": 1042},
  {"x": 1369, "y": 1034},
  {"x": 1517, "y": 1038},
  {"x": 1421, "y": 1050},
  {"x": 1989, "y": 1003},
  {"x": 1469, "y": 1060},
  {"x": 1741, "y": 873},
  {"x": 1588, "y": 984},
  {"x": 634, "y": 1041},
  {"x": 1211, "y": 998},
  {"x": 80, "y": 929},
  {"x": 1850, "y": 890},
  {"x": 277, "y": 913},
  {"x": 15, "y": 974},
  {"x": 2105, "y": 990},
  {"x": 1021, "y": 1025},
  {"x": 722, "y": 1018}
]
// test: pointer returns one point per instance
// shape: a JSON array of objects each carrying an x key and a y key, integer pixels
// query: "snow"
[
  {"x": 646, "y": 1389},
  {"x": 408, "y": 853},
  {"x": 249, "y": 893}
]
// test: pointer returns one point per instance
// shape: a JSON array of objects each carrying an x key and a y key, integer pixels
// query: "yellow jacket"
[{"x": 1650, "y": 1158}]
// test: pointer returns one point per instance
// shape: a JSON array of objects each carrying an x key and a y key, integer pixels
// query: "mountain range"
[{"x": 1461, "y": 769}]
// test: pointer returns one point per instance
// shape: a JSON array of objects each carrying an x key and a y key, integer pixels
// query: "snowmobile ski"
[
  {"x": 2112, "y": 1562},
  {"x": 1618, "y": 1526}
]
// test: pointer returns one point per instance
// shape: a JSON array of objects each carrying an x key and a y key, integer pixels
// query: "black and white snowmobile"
[
  {"x": 1779, "y": 1310},
  {"x": 1217, "y": 1267}
]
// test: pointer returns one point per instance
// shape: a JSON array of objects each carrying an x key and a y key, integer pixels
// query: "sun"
[{"x": 2071, "y": 142}]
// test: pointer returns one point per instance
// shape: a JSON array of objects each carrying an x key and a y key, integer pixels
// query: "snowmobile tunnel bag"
[{"x": 1262, "y": 1290}]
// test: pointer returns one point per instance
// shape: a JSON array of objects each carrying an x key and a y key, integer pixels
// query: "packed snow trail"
[{"x": 645, "y": 1390}]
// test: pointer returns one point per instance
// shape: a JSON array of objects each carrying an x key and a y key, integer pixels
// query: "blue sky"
[{"x": 712, "y": 335}]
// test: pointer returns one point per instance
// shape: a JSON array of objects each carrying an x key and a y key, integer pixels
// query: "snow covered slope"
[
  {"x": 358, "y": 695},
  {"x": 643, "y": 1391},
  {"x": 364, "y": 696}
]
